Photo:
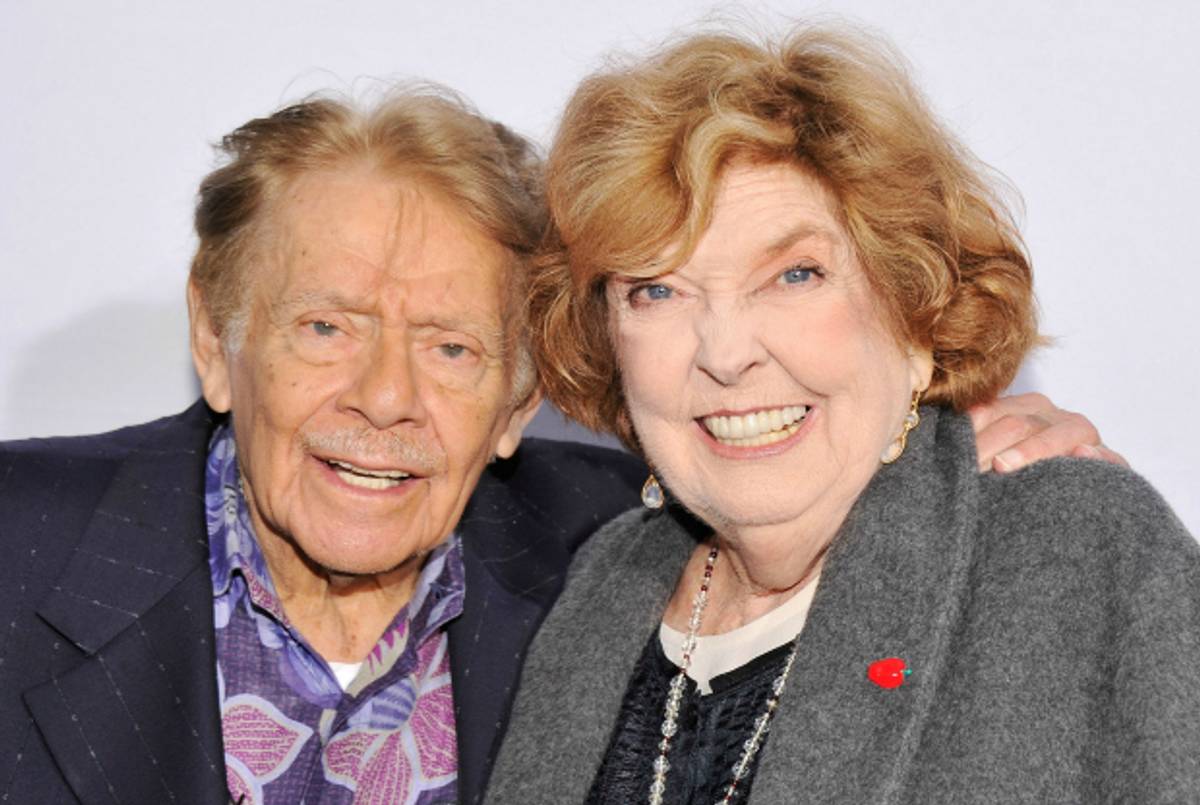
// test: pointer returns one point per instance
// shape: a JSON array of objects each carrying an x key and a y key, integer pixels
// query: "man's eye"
[
  {"x": 323, "y": 328},
  {"x": 452, "y": 350},
  {"x": 798, "y": 275}
]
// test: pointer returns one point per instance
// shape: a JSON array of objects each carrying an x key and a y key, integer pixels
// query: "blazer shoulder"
[
  {"x": 574, "y": 488},
  {"x": 64, "y": 450},
  {"x": 582, "y": 462},
  {"x": 542, "y": 503},
  {"x": 113, "y": 445},
  {"x": 59, "y": 480},
  {"x": 71, "y": 467}
]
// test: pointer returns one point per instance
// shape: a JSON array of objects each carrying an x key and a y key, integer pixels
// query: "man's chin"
[
  {"x": 341, "y": 572},
  {"x": 348, "y": 567}
]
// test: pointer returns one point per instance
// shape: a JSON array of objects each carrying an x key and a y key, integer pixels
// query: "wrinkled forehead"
[
  {"x": 755, "y": 210},
  {"x": 772, "y": 206},
  {"x": 357, "y": 232}
]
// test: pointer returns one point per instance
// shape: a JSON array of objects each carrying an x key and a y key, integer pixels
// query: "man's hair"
[
  {"x": 425, "y": 133},
  {"x": 632, "y": 175}
]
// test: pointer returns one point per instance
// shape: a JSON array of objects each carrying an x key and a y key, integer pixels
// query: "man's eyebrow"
[
  {"x": 317, "y": 299},
  {"x": 486, "y": 330},
  {"x": 329, "y": 299}
]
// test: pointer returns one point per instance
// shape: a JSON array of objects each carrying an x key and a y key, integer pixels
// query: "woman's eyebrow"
[{"x": 797, "y": 233}]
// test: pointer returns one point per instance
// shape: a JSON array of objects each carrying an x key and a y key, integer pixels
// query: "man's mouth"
[
  {"x": 366, "y": 478},
  {"x": 758, "y": 428}
]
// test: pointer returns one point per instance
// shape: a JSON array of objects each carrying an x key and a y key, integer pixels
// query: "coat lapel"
[
  {"x": 891, "y": 587},
  {"x": 136, "y": 719}
]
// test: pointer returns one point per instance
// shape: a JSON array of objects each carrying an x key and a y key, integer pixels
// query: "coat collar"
[
  {"x": 890, "y": 586},
  {"x": 130, "y": 719}
]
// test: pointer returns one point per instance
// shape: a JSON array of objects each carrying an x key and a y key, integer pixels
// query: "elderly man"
[{"x": 314, "y": 588}]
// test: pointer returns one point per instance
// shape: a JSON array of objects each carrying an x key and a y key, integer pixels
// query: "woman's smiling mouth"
[{"x": 757, "y": 428}]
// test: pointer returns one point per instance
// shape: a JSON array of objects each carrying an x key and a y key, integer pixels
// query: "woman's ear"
[{"x": 920, "y": 367}]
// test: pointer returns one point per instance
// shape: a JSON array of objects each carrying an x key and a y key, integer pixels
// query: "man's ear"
[
  {"x": 208, "y": 356},
  {"x": 524, "y": 413}
]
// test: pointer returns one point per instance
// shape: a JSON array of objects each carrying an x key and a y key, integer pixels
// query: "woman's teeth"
[
  {"x": 756, "y": 429},
  {"x": 367, "y": 479}
]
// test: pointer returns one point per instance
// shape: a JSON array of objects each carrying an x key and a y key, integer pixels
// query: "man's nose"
[
  {"x": 729, "y": 345},
  {"x": 385, "y": 389}
]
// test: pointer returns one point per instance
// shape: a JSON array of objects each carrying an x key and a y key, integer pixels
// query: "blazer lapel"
[
  {"x": 519, "y": 532},
  {"x": 509, "y": 590},
  {"x": 486, "y": 644},
  {"x": 891, "y": 587},
  {"x": 584, "y": 657},
  {"x": 137, "y": 720}
]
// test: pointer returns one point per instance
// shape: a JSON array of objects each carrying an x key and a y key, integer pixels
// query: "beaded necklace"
[{"x": 670, "y": 725}]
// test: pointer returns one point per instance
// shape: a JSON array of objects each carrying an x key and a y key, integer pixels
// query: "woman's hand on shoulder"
[{"x": 1012, "y": 432}]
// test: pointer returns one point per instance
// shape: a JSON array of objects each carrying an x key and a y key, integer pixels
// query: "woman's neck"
[{"x": 757, "y": 570}]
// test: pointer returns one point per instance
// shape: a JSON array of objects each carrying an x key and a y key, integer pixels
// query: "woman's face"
[{"x": 760, "y": 376}]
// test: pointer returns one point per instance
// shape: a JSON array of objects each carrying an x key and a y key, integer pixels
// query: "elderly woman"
[{"x": 780, "y": 281}]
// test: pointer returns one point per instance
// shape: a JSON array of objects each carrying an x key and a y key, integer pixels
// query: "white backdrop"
[{"x": 109, "y": 109}]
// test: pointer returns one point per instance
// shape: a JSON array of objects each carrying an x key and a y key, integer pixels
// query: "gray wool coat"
[{"x": 1051, "y": 619}]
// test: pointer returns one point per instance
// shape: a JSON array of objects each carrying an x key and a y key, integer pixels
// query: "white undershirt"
[
  {"x": 344, "y": 671},
  {"x": 721, "y": 653}
]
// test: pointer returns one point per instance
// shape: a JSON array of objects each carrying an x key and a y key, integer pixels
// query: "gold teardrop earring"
[
  {"x": 911, "y": 420},
  {"x": 652, "y": 494}
]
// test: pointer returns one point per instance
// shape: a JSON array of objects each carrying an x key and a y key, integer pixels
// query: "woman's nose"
[{"x": 729, "y": 345}]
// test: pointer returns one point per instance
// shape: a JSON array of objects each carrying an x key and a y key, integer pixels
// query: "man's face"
[{"x": 373, "y": 383}]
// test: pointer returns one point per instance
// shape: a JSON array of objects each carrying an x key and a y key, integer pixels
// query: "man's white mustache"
[{"x": 379, "y": 449}]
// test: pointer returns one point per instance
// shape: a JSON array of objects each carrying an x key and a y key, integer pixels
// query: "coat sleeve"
[
  {"x": 1154, "y": 729},
  {"x": 1131, "y": 622}
]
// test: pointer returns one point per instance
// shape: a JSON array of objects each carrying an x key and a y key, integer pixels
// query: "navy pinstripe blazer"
[{"x": 107, "y": 683}]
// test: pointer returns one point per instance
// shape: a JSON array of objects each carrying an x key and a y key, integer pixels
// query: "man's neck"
[{"x": 341, "y": 616}]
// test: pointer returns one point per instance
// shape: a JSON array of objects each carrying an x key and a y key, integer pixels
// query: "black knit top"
[{"x": 712, "y": 729}]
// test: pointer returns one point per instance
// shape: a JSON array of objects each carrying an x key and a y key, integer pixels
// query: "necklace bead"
[{"x": 670, "y": 726}]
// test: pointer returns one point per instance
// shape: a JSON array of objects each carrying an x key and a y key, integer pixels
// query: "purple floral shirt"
[{"x": 292, "y": 735}]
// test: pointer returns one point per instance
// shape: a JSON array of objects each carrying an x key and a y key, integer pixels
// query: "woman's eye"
[
  {"x": 798, "y": 275},
  {"x": 452, "y": 350},
  {"x": 651, "y": 292},
  {"x": 323, "y": 328}
]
